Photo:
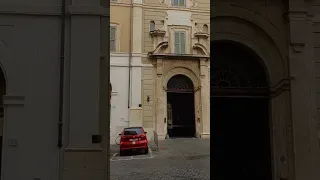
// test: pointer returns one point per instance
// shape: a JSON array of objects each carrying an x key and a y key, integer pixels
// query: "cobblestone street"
[{"x": 176, "y": 159}]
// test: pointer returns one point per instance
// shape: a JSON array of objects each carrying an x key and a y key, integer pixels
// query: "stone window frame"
[
  {"x": 187, "y": 30},
  {"x": 118, "y": 36}
]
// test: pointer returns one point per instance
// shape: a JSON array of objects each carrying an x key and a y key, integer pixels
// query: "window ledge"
[{"x": 176, "y": 56}]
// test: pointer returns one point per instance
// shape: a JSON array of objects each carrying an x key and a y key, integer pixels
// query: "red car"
[{"x": 133, "y": 138}]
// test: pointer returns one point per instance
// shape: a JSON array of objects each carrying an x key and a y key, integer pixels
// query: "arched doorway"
[
  {"x": 240, "y": 113},
  {"x": 2, "y": 93},
  {"x": 180, "y": 107}
]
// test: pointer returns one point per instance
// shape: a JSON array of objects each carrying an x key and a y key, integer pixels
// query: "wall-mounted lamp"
[{"x": 148, "y": 98}]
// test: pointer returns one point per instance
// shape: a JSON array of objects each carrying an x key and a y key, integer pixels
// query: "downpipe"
[{"x": 130, "y": 54}]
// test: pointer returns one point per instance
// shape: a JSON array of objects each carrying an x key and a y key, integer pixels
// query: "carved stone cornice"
[
  {"x": 157, "y": 33},
  {"x": 201, "y": 35}
]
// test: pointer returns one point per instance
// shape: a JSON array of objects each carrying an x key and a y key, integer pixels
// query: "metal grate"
[{"x": 180, "y": 83}]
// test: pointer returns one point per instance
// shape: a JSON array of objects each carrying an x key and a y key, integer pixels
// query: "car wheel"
[{"x": 122, "y": 153}]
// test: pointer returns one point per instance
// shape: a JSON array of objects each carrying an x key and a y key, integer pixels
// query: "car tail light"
[{"x": 143, "y": 138}]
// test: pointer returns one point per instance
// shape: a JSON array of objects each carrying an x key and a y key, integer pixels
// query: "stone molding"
[{"x": 13, "y": 100}]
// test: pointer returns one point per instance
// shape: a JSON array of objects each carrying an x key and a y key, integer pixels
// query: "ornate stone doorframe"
[{"x": 201, "y": 84}]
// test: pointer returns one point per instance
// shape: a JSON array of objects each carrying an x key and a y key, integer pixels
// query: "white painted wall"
[{"x": 119, "y": 74}]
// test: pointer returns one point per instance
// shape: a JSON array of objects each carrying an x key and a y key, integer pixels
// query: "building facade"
[
  {"x": 51, "y": 121},
  {"x": 145, "y": 55},
  {"x": 267, "y": 51},
  {"x": 125, "y": 68},
  {"x": 175, "y": 84}
]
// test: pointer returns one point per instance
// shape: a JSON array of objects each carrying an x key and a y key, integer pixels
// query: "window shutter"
[
  {"x": 113, "y": 33},
  {"x": 113, "y": 38},
  {"x": 181, "y": 2},
  {"x": 182, "y": 42},
  {"x": 177, "y": 42},
  {"x": 175, "y": 2}
]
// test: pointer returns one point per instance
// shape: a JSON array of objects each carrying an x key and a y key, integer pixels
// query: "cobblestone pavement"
[{"x": 176, "y": 159}]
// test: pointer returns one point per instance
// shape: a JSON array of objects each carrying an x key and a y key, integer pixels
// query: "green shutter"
[
  {"x": 113, "y": 38},
  {"x": 182, "y": 42},
  {"x": 112, "y": 33},
  {"x": 181, "y": 2},
  {"x": 177, "y": 42}
]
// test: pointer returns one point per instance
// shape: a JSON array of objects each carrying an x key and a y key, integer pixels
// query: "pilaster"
[
  {"x": 136, "y": 73},
  {"x": 302, "y": 92},
  {"x": 87, "y": 97},
  {"x": 205, "y": 99},
  {"x": 137, "y": 26},
  {"x": 84, "y": 58},
  {"x": 160, "y": 118}
]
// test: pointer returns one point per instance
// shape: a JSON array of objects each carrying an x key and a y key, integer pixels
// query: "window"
[
  {"x": 152, "y": 26},
  {"x": 178, "y": 2},
  {"x": 133, "y": 131},
  {"x": 113, "y": 38},
  {"x": 205, "y": 28},
  {"x": 180, "y": 42}
]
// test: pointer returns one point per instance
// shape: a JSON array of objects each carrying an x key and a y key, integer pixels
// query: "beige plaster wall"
[
  {"x": 122, "y": 20},
  {"x": 156, "y": 15}
]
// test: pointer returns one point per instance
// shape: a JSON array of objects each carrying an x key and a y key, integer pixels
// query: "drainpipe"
[
  {"x": 130, "y": 52},
  {"x": 61, "y": 97}
]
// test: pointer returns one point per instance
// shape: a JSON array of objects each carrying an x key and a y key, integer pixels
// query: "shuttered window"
[
  {"x": 178, "y": 2},
  {"x": 113, "y": 39},
  {"x": 179, "y": 42}
]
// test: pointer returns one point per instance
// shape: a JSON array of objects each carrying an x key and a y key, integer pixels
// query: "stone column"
[
  {"x": 205, "y": 99},
  {"x": 160, "y": 101}
]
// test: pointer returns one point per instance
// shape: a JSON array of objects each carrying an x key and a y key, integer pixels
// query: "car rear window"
[{"x": 133, "y": 131}]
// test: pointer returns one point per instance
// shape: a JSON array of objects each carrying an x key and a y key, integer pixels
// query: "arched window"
[
  {"x": 152, "y": 26},
  {"x": 205, "y": 28}
]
